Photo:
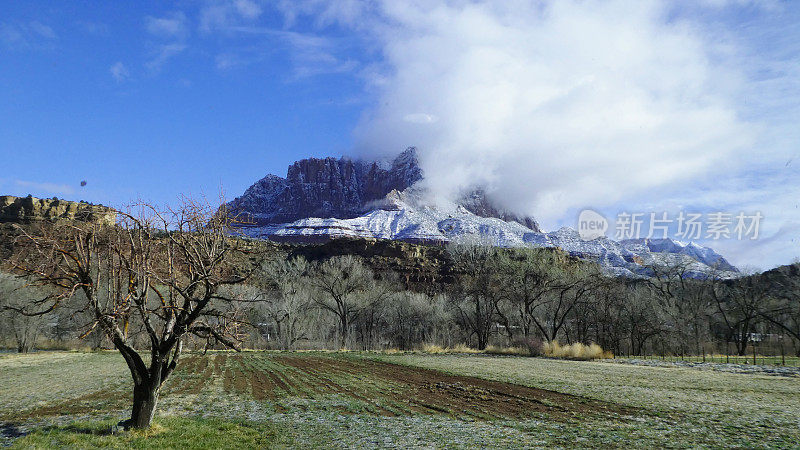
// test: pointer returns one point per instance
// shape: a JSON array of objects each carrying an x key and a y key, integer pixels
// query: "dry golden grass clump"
[
  {"x": 552, "y": 349},
  {"x": 436, "y": 349},
  {"x": 433, "y": 348},
  {"x": 575, "y": 351},
  {"x": 516, "y": 351}
]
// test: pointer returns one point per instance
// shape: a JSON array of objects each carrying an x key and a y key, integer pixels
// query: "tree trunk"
[
  {"x": 145, "y": 400},
  {"x": 483, "y": 340},
  {"x": 741, "y": 346},
  {"x": 344, "y": 329}
]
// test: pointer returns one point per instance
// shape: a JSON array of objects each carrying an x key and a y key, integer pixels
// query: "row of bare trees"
[
  {"x": 342, "y": 303},
  {"x": 498, "y": 296},
  {"x": 513, "y": 296}
]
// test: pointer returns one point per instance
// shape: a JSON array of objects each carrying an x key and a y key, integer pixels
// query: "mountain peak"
[
  {"x": 343, "y": 188},
  {"x": 405, "y": 168},
  {"x": 478, "y": 202},
  {"x": 406, "y": 158},
  {"x": 325, "y": 187}
]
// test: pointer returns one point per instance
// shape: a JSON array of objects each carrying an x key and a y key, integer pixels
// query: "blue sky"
[
  {"x": 643, "y": 106},
  {"x": 97, "y": 92}
]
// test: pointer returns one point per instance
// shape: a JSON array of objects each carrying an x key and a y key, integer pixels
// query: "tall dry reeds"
[{"x": 577, "y": 351}]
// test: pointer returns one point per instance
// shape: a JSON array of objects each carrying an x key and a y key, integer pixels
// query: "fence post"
[
  {"x": 754, "y": 353},
  {"x": 783, "y": 354}
]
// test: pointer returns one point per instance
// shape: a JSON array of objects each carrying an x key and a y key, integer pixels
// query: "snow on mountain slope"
[
  {"x": 402, "y": 216},
  {"x": 409, "y": 217},
  {"x": 344, "y": 189},
  {"x": 697, "y": 252}
]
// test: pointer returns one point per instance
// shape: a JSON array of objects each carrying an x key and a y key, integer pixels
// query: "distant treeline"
[{"x": 504, "y": 297}]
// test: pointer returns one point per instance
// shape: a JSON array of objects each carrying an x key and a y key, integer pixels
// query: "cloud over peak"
[{"x": 552, "y": 105}]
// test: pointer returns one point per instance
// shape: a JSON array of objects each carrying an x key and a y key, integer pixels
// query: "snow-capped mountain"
[
  {"x": 694, "y": 251},
  {"x": 323, "y": 199},
  {"x": 409, "y": 215},
  {"x": 343, "y": 189}
]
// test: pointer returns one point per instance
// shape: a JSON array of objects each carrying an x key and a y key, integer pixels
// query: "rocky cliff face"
[
  {"x": 330, "y": 187},
  {"x": 479, "y": 204},
  {"x": 31, "y": 209},
  {"x": 343, "y": 189}
]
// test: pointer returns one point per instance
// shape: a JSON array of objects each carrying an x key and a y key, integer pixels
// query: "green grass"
[
  {"x": 169, "y": 432},
  {"x": 35, "y": 380}
]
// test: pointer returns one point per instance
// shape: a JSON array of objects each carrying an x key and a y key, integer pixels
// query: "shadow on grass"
[
  {"x": 11, "y": 431},
  {"x": 103, "y": 431},
  {"x": 169, "y": 432}
]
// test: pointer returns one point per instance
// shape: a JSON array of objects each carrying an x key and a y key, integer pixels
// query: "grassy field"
[{"x": 315, "y": 399}]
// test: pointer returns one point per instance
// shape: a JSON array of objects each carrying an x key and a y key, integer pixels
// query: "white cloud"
[
  {"x": 310, "y": 54},
  {"x": 163, "y": 54},
  {"x": 170, "y": 34},
  {"x": 174, "y": 25},
  {"x": 420, "y": 118},
  {"x": 247, "y": 8},
  {"x": 765, "y": 4},
  {"x": 773, "y": 192},
  {"x": 222, "y": 14},
  {"x": 42, "y": 30},
  {"x": 119, "y": 71},
  {"x": 554, "y": 107},
  {"x": 346, "y": 12},
  {"x": 26, "y": 36},
  {"x": 560, "y": 105},
  {"x": 37, "y": 188}
]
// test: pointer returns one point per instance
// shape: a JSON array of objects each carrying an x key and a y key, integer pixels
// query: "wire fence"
[{"x": 762, "y": 360}]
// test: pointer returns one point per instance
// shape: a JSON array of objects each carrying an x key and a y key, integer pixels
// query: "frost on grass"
[
  {"x": 361, "y": 400},
  {"x": 697, "y": 407}
]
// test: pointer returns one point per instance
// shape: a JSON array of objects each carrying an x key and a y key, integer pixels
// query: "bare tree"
[
  {"x": 782, "y": 307},
  {"x": 608, "y": 314},
  {"x": 527, "y": 275},
  {"x": 417, "y": 318},
  {"x": 163, "y": 268},
  {"x": 643, "y": 321},
  {"x": 685, "y": 300},
  {"x": 575, "y": 284},
  {"x": 739, "y": 304},
  {"x": 345, "y": 287},
  {"x": 287, "y": 298},
  {"x": 475, "y": 294},
  {"x": 22, "y": 329}
]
